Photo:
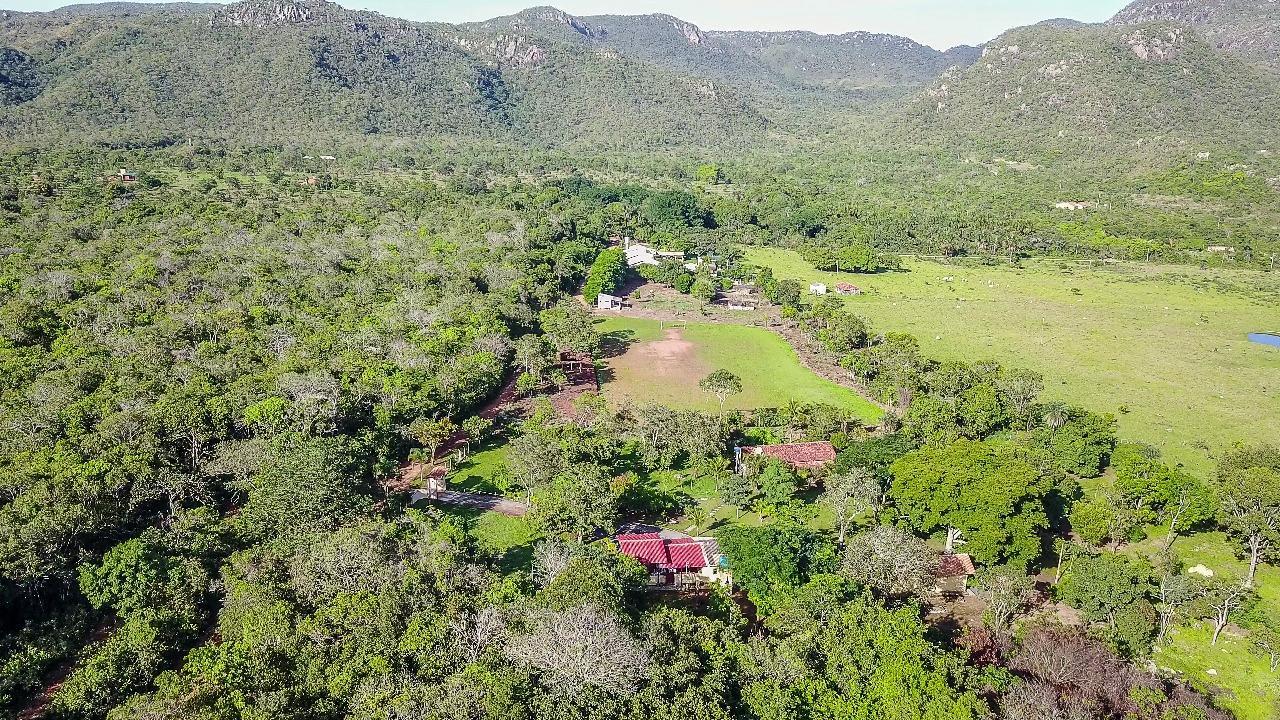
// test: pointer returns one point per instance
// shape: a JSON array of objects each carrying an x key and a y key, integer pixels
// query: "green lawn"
[
  {"x": 1253, "y": 690},
  {"x": 1168, "y": 344},
  {"x": 665, "y": 370},
  {"x": 475, "y": 474}
]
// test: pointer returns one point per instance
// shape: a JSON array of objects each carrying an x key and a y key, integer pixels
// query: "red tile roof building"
[
  {"x": 664, "y": 557},
  {"x": 801, "y": 456},
  {"x": 955, "y": 566},
  {"x": 954, "y": 572}
]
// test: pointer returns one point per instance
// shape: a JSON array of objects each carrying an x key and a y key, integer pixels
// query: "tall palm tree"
[
  {"x": 1054, "y": 418},
  {"x": 697, "y": 515}
]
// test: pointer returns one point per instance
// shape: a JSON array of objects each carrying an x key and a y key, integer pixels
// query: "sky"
[{"x": 940, "y": 23}]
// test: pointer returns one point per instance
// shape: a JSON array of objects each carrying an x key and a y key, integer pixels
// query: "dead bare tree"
[
  {"x": 851, "y": 494},
  {"x": 475, "y": 632},
  {"x": 579, "y": 647},
  {"x": 891, "y": 560},
  {"x": 1221, "y": 601},
  {"x": 550, "y": 558},
  {"x": 1007, "y": 594}
]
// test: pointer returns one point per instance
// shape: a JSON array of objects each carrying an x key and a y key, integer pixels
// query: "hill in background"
[
  {"x": 1160, "y": 76},
  {"x": 1121, "y": 91},
  {"x": 832, "y": 67},
  {"x": 1247, "y": 28}
]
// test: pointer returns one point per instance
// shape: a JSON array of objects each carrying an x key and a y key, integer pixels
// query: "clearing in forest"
[
  {"x": 1165, "y": 348},
  {"x": 649, "y": 362}
]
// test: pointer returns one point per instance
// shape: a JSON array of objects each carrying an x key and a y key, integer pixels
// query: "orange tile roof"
[
  {"x": 951, "y": 566},
  {"x": 800, "y": 455}
]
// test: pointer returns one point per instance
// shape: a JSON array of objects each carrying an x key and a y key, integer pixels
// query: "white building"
[
  {"x": 641, "y": 254},
  {"x": 608, "y": 302},
  {"x": 818, "y": 289}
]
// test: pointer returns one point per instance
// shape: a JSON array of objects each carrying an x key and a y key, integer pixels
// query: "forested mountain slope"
[
  {"x": 1248, "y": 28},
  {"x": 275, "y": 71},
  {"x": 292, "y": 71},
  {"x": 1141, "y": 91},
  {"x": 855, "y": 60},
  {"x": 819, "y": 66}
]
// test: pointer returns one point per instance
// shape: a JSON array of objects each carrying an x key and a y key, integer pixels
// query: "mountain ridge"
[
  {"x": 1249, "y": 29},
  {"x": 1054, "y": 90},
  {"x": 274, "y": 69}
]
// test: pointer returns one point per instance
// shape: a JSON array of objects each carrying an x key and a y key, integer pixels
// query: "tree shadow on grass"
[
  {"x": 517, "y": 558},
  {"x": 471, "y": 482},
  {"x": 616, "y": 343},
  {"x": 605, "y": 375}
]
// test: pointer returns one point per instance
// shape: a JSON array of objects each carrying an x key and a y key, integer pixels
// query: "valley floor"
[{"x": 1164, "y": 348}]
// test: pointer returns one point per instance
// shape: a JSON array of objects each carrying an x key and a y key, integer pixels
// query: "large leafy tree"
[
  {"x": 722, "y": 384},
  {"x": 1117, "y": 591},
  {"x": 1076, "y": 441},
  {"x": 983, "y": 494},
  {"x": 851, "y": 657},
  {"x": 1249, "y": 485},
  {"x": 607, "y": 274},
  {"x": 771, "y": 561},
  {"x": 569, "y": 326}
]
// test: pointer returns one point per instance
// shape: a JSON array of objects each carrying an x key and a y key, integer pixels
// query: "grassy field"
[
  {"x": 1166, "y": 344},
  {"x": 1253, "y": 691},
  {"x": 1164, "y": 348},
  {"x": 664, "y": 365}
]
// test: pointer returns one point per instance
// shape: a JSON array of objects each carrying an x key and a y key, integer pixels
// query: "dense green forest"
[
  {"x": 211, "y": 375},
  {"x": 263, "y": 265}
]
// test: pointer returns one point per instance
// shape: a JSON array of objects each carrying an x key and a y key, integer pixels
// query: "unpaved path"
[
  {"x": 673, "y": 348},
  {"x": 474, "y": 501}
]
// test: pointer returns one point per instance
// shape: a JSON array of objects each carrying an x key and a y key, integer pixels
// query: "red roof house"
[
  {"x": 954, "y": 572},
  {"x": 950, "y": 566},
  {"x": 801, "y": 456},
  {"x": 847, "y": 289},
  {"x": 663, "y": 557}
]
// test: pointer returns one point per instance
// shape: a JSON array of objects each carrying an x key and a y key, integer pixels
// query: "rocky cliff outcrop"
[
  {"x": 274, "y": 13},
  {"x": 1248, "y": 28}
]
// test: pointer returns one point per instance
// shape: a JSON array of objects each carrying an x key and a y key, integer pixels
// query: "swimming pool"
[{"x": 1266, "y": 338}]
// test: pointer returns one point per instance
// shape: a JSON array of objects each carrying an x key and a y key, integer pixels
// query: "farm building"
[
  {"x": 605, "y": 301},
  {"x": 436, "y": 482},
  {"x": 847, "y": 289},
  {"x": 954, "y": 572},
  {"x": 639, "y": 254},
  {"x": 126, "y": 175},
  {"x": 801, "y": 456},
  {"x": 818, "y": 289},
  {"x": 676, "y": 560}
]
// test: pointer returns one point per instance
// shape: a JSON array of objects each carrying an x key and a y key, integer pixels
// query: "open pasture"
[
  {"x": 1164, "y": 348},
  {"x": 650, "y": 363}
]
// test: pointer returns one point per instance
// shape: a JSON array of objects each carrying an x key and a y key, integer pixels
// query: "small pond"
[{"x": 1266, "y": 338}]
